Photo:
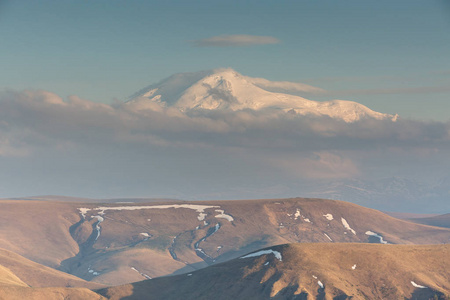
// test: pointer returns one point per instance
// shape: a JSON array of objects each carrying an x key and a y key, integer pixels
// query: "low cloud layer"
[
  {"x": 237, "y": 40},
  {"x": 50, "y": 145}
]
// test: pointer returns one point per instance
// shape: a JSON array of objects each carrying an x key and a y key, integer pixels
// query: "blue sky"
[{"x": 374, "y": 51}]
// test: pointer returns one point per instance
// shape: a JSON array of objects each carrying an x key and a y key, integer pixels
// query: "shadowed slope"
[
  {"x": 440, "y": 221},
  {"x": 321, "y": 271}
]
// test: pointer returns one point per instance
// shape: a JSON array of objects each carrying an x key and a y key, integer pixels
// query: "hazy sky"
[{"x": 66, "y": 67}]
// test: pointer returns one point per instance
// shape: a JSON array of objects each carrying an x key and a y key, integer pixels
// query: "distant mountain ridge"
[
  {"x": 226, "y": 89},
  {"x": 391, "y": 193}
]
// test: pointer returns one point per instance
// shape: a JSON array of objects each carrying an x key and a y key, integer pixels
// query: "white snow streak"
[
  {"x": 354, "y": 267},
  {"x": 320, "y": 284},
  {"x": 328, "y": 237},
  {"x": 99, "y": 218},
  {"x": 142, "y": 274},
  {"x": 223, "y": 215},
  {"x": 263, "y": 252},
  {"x": 201, "y": 216},
  {"x": 344, "y": 222},
  {"x": 371, "y": 233},
  {"x": 418, "y": 286},
  {"x": 97, "y": 227}
]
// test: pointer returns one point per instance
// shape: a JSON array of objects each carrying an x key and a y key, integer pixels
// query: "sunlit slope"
[
  {"x": 7, "y": 277},
  {"x": 310, "y": 271},
  {"x": 49, "y": 293},
  {"x": 14, "y": 288},
  {"x": 37, "y": 275},
  {"x": 38, "y": 230}
]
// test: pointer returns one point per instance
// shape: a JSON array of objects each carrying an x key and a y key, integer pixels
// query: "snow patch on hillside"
[
  {"x": 93, "y": 272},
  {"x": 328, "y": 237},
  {"x": 201, "y": 216},
  {"x": 371, "y": 233},
  {"x": 329, "y": 217},
  {"x": 223, "y": 215},
  {"x": 418, "y": 286},
  {"x": 320, "y": 284},
  {"x": 142, "y": 274},
  {"x": 83, "y": 211},
  {"x": 345, "y": 223},
  {"x": 264, "y": 252},
  {"x": 198, "y": 208},
  {"x": 97, "y": 226}
]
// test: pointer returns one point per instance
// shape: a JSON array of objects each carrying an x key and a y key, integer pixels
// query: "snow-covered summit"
[{"x": 226, "y": 89}]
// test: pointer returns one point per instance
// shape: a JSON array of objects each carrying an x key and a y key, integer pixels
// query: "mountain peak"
[{"x": 226, "y": 89}]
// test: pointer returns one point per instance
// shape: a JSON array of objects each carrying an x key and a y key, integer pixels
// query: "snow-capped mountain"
[{"x": 225, "y": 89}]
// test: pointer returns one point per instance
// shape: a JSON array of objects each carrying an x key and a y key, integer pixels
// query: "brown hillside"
[
  {"x": 21, "y": 293},
  {"x": 38, "y": 230},
  {"x": 135, "y": 241},
  {"x": 7, "y": 277},
  {"x": 361, "y": 271},
  {"x": 36, "y": 275}
]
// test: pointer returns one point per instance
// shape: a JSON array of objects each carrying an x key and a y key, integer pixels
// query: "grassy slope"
[
  {"x": 37, "y": 275},
  {"x": 49, "y": 293},
  {"x": 13, "y": 288},
  {"x": 7, "y": 277},
  {"x": 38, "y": 230}
]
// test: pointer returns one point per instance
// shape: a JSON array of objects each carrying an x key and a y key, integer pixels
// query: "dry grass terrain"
[
  {"x": 360, "y": 271},
  {"x": 49, "y": 293},
  {"x": 7, "y": 277},
  {"x": 36, "y": 275},
  {"x": 14, "y": 288},
  {"x": 132, "y": 245}
]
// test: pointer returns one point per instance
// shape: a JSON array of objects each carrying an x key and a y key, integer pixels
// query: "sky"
[
  {"x": 74, "y": 62},
  {"x": 389, "y": 55}
]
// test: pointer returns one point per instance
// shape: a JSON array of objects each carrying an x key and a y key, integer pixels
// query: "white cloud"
[
  {"x": 285, "y": 86},
  {"x": 237, "y": 40}
]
